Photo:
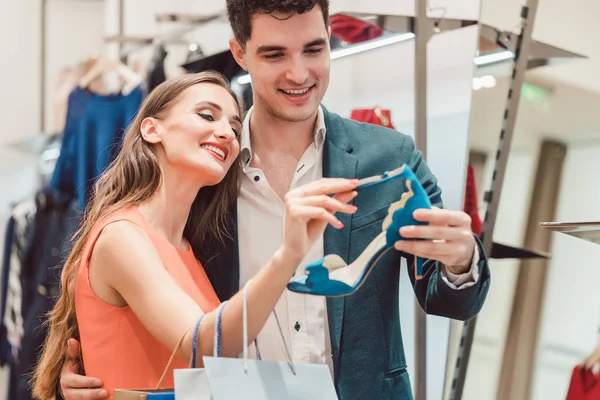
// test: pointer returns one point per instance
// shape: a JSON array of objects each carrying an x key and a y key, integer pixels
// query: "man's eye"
[{"x": 273, "y": 56}]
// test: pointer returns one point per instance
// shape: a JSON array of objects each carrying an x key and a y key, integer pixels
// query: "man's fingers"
[
  {"x": 435, "y": 232},
  {"x": 438, "y": 216},
  {"x": 446, "y": 253},
  {"x": 85, "y": 394},
  {"x": 324, "y": 186},
  {"x": 71, "y": 364},
  {"x": 75, "y": 381}
]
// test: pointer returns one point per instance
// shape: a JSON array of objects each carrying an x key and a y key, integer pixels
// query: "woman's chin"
[{"x": 212, "y": 176}]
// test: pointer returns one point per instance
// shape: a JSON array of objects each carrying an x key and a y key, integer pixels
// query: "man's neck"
[{"x": 272, "y": 134}]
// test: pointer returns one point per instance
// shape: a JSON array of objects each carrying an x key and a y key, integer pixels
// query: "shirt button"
[
  {"x": 256, "y": 178},
  {"x": 297, "y": 326}
]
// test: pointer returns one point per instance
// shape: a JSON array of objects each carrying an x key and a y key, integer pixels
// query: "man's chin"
[{"x": 298, "y": 114}]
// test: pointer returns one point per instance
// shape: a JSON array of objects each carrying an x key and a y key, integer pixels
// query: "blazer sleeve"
[{"x": 433, "y": 294}]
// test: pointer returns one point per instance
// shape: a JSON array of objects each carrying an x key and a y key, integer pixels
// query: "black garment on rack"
[
  {"x": 8, "y": 241},
  {"x": 49, "y": 241},
  {"x": 224, "y": 63},
  {"x": 156, "y": 68}
]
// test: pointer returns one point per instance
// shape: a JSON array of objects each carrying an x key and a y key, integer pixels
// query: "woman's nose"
[{"x": 225, "y": 132}]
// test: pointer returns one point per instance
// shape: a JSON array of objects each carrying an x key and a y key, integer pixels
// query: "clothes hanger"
[{"x": 103, "y": 66}]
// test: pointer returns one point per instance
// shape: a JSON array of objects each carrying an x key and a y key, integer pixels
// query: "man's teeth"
[
  {"x": 296, "y": 92},
  {"x": 214, "y": 149}
]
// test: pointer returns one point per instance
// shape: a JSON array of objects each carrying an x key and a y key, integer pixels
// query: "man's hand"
[
  {"x": 78, "y": 387},
  {"x": 451, "y": 240}
]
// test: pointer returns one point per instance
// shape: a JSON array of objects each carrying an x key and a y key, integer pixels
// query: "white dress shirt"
[{"x": 260, "y": 234}]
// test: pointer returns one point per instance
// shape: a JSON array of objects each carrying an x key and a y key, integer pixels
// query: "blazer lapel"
[
  {"x": 338, "y": 161},
  {"x": 223, "y": 269}
]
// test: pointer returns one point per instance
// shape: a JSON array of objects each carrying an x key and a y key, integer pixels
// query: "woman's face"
[{"x": 199, "y": 133}]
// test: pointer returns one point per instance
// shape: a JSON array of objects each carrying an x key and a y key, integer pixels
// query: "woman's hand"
[{"x": 308, "y": 210}]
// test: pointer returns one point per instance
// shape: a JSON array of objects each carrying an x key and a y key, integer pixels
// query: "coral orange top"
[{"x": 116, "y": 347}]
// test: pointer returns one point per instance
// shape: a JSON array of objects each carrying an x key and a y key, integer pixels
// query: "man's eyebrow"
[
  {"x": 270, "y": 48},
  {"x": 267, "y": 49},
  {"x": 316, "y": 42}
]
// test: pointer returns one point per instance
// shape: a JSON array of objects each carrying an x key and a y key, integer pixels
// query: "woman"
[{"x": 131, "y": 286}]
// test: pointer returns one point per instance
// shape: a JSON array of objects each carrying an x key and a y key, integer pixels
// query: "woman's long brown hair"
[{"x": 133, "y": 177}]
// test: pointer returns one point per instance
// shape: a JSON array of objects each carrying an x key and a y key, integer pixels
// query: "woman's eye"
[{"x": 207, "y": 116}]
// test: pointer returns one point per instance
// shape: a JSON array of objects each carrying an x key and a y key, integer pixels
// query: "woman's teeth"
[{"x": 215, "y": 150}]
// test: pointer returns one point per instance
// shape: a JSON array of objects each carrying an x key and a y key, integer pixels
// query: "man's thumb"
[{"x": 72, "y": 356}]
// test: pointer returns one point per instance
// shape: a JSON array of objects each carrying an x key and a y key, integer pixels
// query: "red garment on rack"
[
  {"x": 470, "y": 205},
  {"x": 584, "y": 385},
  {"x": 375, "y": 116},
  {"x": 353, "y": 30}
]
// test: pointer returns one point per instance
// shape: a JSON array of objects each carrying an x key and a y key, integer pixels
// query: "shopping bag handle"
[
  {"x": 195, "y": 342},
  {"x": 173, "y": 354},
  {"x": 245, "y": 333}
]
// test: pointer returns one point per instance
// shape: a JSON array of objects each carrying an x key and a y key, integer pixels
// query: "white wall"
[
  {"x": 74, "y": 31},
  {"x": 571, "y": 311},
  {"x": 492, "y": 322}
]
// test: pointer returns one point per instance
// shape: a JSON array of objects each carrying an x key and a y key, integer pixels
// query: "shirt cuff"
[{"x": 462, "y": 281}]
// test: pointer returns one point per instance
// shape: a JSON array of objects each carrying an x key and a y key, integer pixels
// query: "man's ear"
[
  {"x": 150, "y": 130},
  {"x": 238, "y": 53},
  {"x": 329, "y": 32}
]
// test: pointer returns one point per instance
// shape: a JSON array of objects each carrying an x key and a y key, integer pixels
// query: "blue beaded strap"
[
  {"x": 217, "y": 338},
  {"x": 257, "y": 351},
  {"x": 195, "y": 341}
]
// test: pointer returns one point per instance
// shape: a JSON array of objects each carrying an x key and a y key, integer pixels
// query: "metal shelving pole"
[
  {"x": 522, "y": 51},
  {"x": 423, "y": 31}
]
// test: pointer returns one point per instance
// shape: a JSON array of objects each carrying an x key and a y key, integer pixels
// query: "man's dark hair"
[{"x": 240, "y": 12}]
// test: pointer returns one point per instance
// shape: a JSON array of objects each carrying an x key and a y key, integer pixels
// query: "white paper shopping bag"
[{"x": 236, "y": 379}]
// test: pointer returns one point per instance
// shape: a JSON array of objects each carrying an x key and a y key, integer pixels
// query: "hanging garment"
[
  {"x": 92, "y": 137},
  {"x": 353, "y": 30},
  {"x": 470, "y": 204},
  {"x": 375, "y": 116},
  {"x": 156, "y": 68},
  {"x": 48, "y": 242},
  {"x": 8, "y": 239},
  {"x": 584, "y": 385},
  {"x": 12, "y": 320},
  {"x": 222, "y": 62}
]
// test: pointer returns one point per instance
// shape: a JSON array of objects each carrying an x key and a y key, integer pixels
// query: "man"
[{"x": 289, "y": 139}]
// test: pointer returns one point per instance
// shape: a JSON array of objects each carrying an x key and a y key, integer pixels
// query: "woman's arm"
[{"x": 125, "y": 260}]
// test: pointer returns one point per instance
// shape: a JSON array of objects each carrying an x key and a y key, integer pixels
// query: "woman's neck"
[{"x": 168, "y": 210}]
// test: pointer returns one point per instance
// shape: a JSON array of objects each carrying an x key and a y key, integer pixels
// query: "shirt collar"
[{"x": 245, "y": 145}]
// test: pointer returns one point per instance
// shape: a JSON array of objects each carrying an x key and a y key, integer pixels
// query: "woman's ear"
[{"x": 150, "y": 130}]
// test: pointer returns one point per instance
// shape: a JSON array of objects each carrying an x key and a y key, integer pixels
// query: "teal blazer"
[{"x": 366, "y": 340}]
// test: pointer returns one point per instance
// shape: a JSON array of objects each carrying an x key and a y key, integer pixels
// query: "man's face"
[{"x": 288, "y": 59}]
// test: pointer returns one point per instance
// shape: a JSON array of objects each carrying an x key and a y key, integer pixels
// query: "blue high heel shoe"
[{"x": 332, "y": 277}]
